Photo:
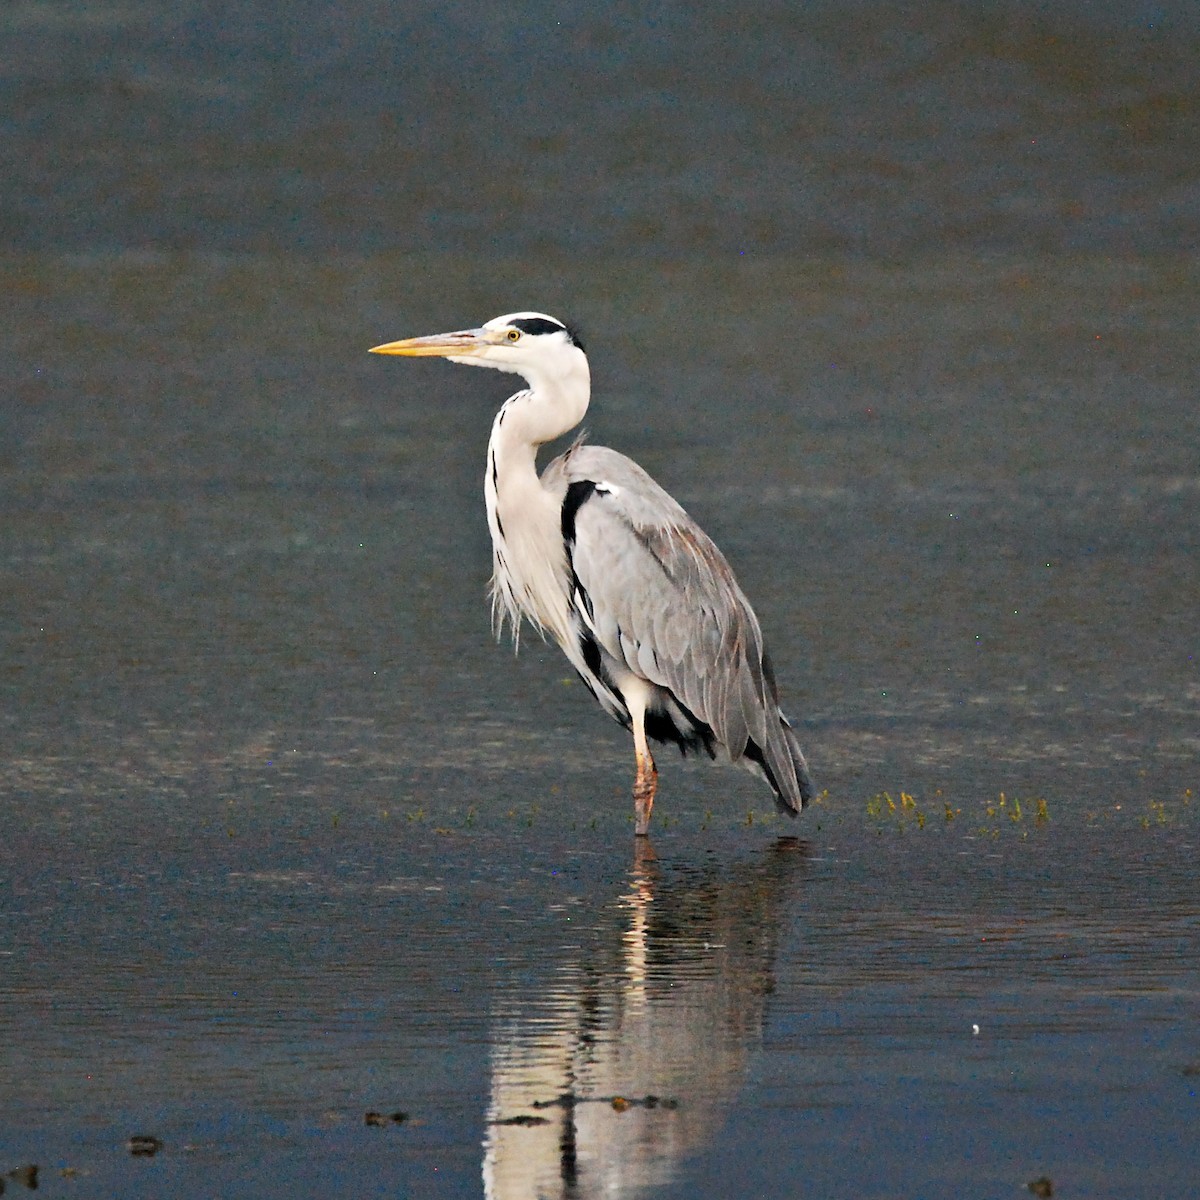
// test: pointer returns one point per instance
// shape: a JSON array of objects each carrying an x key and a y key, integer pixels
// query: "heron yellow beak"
[{"x": 464, "y": 343}]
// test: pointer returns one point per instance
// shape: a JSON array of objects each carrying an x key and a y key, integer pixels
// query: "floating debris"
[
  {"x": 1042, "y": 1187},
  {"x": 523, "y": 1119},
  {"x": 379, "y": 1119},
  {"x": 143, "y": 1145},
  {"x": 619, "y": 1103},
  {"x": 27, "y": 1176}
]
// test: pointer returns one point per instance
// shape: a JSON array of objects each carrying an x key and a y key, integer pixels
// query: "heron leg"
[
  {"x": 646, "y": 783},
  {"x": 644, "y": 788}
]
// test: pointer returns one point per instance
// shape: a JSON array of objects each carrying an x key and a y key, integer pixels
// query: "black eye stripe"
[{"x": 536, "y": 325}]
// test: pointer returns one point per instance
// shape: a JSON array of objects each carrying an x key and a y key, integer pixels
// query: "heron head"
[{"x": 525, "y": 343}]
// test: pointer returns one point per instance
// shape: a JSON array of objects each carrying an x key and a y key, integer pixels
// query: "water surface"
[{"x": 902, "y": 308}]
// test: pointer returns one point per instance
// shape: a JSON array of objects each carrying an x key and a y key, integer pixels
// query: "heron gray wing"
[{"x": 662, "y": 601}]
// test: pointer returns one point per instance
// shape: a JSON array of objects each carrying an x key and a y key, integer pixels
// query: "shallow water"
[
  {"x": 288, "y": 839},
  {"x": 875, "y": 1009}
]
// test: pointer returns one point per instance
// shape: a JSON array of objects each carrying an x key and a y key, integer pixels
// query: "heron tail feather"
[
  {"x": 781, "y": 763},
  {"x": 794, "y": 785}
]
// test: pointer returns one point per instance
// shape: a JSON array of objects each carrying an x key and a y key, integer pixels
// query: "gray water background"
[{"x": 899, "y": 301}]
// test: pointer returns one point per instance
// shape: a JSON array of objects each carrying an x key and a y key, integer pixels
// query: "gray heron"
[{"x": 595, "y": 554}]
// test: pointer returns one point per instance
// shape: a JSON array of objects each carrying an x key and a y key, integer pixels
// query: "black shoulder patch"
[
  {"x": 536, "y": 325},
  {"x": 573, "y": 501}
]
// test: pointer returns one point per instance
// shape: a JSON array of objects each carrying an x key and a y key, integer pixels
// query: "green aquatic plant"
[
  {"x": 877, "y": 803},
  {"x": 1157, "y": 814},
  {"x": 909, "y": 810},
  {"x": 883, "y": 805}
]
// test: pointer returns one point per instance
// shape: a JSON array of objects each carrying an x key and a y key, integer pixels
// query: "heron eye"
[{"x": 514, "y": 335}]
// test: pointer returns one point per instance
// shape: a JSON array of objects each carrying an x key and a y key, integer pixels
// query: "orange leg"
[
  {"x": 646, "y": 783},
  {"x": 644, "y": 788}
]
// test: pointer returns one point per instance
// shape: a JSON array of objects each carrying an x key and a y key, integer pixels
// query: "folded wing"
[{"x": 659, "y": 599}]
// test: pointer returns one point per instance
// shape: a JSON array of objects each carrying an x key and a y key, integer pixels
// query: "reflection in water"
[{"x": 623, "y": 1064}]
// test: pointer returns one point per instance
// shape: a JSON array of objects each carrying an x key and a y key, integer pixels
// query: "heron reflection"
[{"x": 623, "y": 1065}]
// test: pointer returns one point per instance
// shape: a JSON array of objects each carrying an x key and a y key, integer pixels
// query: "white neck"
[{"x": 529, "y": 577}]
